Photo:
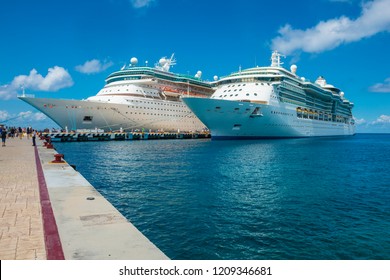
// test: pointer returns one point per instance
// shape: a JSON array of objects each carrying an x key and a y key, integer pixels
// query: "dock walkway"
[
  {"x": 21, "y": 226},
  {"x": 50, "y": 211}
]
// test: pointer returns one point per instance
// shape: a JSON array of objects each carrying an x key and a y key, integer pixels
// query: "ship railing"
[{"x": 26, "y": 95}]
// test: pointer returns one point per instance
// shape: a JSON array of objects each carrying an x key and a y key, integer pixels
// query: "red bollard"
[
  {"x": 49, "y": 146},
  {"x": 58, "y": 158}
]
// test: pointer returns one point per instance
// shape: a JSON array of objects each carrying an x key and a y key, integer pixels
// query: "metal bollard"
[{"x": 58, "y": 158}]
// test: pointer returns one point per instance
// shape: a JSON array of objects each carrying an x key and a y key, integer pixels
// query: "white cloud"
[
  {"x": 6, "y": 92},
  {"x": 383, "y": 119},
  {"x": 21, "y": 118},
  {"x": 360, "y": 121},
  {"x": 4, "y": 115},
  {"x": 141, "y": 3},
  {"x": 24, "y": 114},
  {"x": 56, "y": 79},
  {"x": 327, "y": 35},
  {"x": 93, "y": 66},
  {"x": 39, "y": 116},
  {"x": 29, "y": 116},
  {"x": 380, "y": 125},
  {"x": 381, "y": 87}
]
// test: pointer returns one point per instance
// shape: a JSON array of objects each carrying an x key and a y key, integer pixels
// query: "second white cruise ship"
[
  {"x": 272, "y": 102},
  {"x": 134, "y": 98}
]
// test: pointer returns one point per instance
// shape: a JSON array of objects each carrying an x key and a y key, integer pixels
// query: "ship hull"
[
  {"x": 133, "y": 114},
  {"x": 228, "y": 119}
]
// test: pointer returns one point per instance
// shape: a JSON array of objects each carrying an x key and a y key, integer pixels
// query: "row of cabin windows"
[
  {"x": 231, "y": 95},
  {"x": 321, "y": 116},
  {"x": 140, "y": 91},
  {"x": 165, "y": 115},
  {"x": 146, "y": 102},
  {"x": 159, "y": 103},
  {"x": 282, "y": 113},
  {"x": 159, "y": 109},
  {"x": 239, "y": 85},
  {"x": 147, "y": 108}
]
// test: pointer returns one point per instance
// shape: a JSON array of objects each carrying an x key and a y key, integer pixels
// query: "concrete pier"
[{"x": 50, "y": 211}]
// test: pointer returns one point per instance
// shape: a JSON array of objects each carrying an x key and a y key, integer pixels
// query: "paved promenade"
[
  {"x": 50, "y": 211},
  {"x": 22, "y": 235}
]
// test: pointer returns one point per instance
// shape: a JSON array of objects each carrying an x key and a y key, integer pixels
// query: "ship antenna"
[
  {"x": 23, "y": 92},
  {"x": 275, "y": 59},
  {"x": 164, "y": 64},
  {"x": 170, "y": 62}
]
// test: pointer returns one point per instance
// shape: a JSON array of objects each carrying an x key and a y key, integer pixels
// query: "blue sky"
[{"x": 66, "y": 48}]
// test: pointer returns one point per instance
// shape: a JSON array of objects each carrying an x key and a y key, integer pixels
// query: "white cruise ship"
[
  {"x": 272, "y": 102},
  {"x": 134, "y": 98}
]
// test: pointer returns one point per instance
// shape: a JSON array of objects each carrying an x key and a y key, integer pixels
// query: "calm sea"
[{"x": 324, "y": 198}]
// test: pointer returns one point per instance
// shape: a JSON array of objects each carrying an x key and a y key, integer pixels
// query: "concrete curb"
[{"x": 52, "y": 239}]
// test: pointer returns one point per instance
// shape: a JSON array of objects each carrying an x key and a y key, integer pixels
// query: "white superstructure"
[
  {"x": 272, "y": 102},
  {"x": 134, "y": 98}
]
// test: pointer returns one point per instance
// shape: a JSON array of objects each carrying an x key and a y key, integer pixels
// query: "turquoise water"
[{"x": 323, "y": 198}]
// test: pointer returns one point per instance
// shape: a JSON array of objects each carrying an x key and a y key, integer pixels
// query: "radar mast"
[
  {"x": 275, "y": 59},
  {"x": 165, "y": 63}
]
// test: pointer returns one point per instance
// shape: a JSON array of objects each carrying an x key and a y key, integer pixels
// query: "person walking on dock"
[
  {"x": 29, "y": 131},
  {"x": 34, "y": 134},
  {"x": 3, "y": 135}
]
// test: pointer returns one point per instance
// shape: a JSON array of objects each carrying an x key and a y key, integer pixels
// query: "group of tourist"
[{"x": 14, "y": 132}]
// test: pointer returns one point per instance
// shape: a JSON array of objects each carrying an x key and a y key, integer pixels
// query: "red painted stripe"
[{"x": 52, "y": 238}]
